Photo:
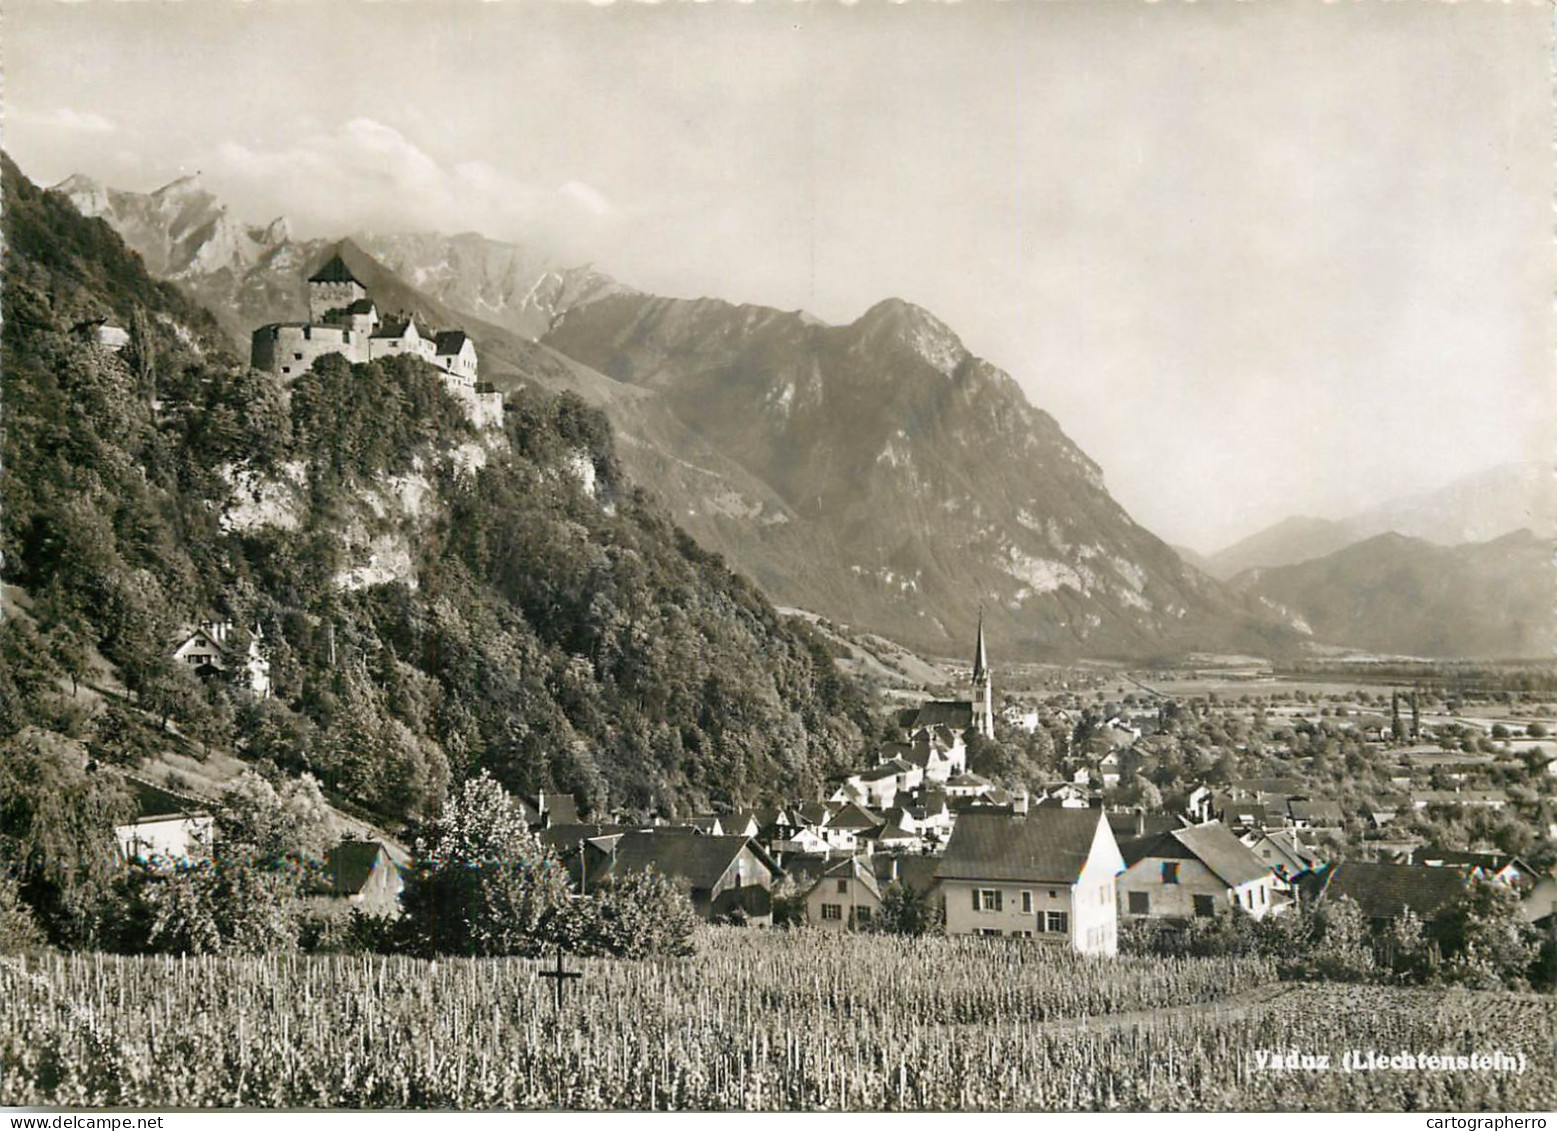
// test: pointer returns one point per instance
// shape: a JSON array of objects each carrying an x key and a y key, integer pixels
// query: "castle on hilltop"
[{"x": 343, "y": 319}]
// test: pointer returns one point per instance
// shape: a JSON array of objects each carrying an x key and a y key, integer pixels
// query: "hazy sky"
[{"x": 1258, "y": 258}]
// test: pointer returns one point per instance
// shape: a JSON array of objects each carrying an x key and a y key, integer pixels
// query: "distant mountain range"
[
  {"x": 1476, "y": 508},
  {"x": 1407, "y": 596},
  {"x": 875, "y": 472},
  {"x": 246, "y": 274}
]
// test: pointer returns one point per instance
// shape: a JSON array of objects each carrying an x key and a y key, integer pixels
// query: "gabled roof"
[
  {"x": 853, "y": 816},
  {"x": 334, "y": 271},
  {"x": 956, "y": 713},
  {"x": 1383, "y": 891},
  {"x": 1227, "y": 857},
  {"x": 153, "y": 802},
  {"x": 1047, "y": 845},
  {"x": 851, "y": 868},
  {"x": 450, "y": 341},
  {"x": 400, "y": 328},
  {"x": 1314, "y": 811},
  {"x": 699, "y": 860},
  {"x": 349, "y": 865}
]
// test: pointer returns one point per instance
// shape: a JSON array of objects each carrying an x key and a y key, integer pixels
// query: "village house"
[
  {"x": 214, "y": 649},
  {"x": 723, "y": 874},
  {"x": 1385, "y": 891},
  {"x": 1194, "y": 872},
  {"x": 167, "y": 828},
  {"x": 1047, "y": 875},
  {"x": 846, "y": 897},
  {"x": 1281, "y": 852},
  {"x": 845, "y": 826}
]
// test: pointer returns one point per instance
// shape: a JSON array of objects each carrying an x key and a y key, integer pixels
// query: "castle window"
[{"x": 297, "y": 357}]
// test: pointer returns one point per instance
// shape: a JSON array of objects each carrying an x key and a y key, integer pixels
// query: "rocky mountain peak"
[{"x": 924, "y": 333}]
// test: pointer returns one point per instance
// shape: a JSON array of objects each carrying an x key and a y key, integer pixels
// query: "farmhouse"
[
  {"x": 723, "y": 874},
  {"x": 1195, "y": 872},
  {"x": 1047, "y": 875}
]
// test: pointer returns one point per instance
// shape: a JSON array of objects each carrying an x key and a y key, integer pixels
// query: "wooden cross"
[{"x": 560, "y": 976}]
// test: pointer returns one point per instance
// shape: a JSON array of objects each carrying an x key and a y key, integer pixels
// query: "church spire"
[
  {"x": 980, "y": 657},
  {"x": 983, "y": 692}
]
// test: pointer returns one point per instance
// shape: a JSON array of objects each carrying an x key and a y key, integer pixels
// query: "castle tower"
[
  {"x": 983, "y": 692},
  {"x": 332, "y": 287}
]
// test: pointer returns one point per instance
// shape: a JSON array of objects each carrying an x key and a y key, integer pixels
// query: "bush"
[{"x": 634, "y": 916}]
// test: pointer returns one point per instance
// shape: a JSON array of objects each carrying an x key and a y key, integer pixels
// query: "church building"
[{"x": 976, "y": 713}]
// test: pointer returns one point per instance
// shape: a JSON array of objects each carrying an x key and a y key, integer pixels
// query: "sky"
[{"x": 1258, "y": 258}]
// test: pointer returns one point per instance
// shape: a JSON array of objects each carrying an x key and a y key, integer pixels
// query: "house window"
[
  {"x": 986, "y": 899},
  {"x": 989, "y": 932},
  {"x": 1058, "y": 922},
  {"x": 862, "y": 916},
  {"x": 832, "y": 911},
  {"x": 1053, "y": 894},
  {"x": 1140, "y": 903},
  {"x": 1170, "y": 872},
  {"x": 843, "y": 887},
  {"x": 297, "y": 357},
  {"x": 1027, "y": 903},
  {"x": 1205, "y": 906},
  {"x": 1262, "y": 897}
]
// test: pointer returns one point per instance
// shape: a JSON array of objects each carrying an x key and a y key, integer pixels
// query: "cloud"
[
  {"x": 64, "y": 118},
  {"x": 366, "y": 174}
]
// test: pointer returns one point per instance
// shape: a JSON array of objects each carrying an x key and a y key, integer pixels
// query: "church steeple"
[{"x": 983, "y": 692}]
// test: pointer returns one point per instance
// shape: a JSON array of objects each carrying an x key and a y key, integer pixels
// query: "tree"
[
  {"x": 483, "y": 884},
  {"x": 1485, "y": 940},
  {"x": 57, "y": 832},
  {"x": 1345, "y": 950},
  {"x": 907, "y": 910}
]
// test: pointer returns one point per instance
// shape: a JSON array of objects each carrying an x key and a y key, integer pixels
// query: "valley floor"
[{"x": 756, "y": 1020}]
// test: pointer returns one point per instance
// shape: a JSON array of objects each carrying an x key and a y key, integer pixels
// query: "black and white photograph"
[{"x": 828, "y": 556}]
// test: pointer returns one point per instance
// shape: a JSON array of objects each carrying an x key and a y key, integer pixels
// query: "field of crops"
[{"x": 757, "y": 1020}]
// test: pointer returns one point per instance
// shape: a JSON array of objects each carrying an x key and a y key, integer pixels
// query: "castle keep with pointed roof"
[{"x": 343, "y": 319}]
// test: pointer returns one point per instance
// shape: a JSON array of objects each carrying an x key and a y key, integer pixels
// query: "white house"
[
  {"x": 167, "y": 829},
  {"x": 1047, "y": 875},
  {"x": 846, "y": 897},
  {"x": 1199, "y": 871},
  {"x": 213, "y": 648}
]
